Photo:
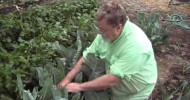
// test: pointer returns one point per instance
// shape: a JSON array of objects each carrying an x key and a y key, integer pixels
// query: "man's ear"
[{"x": 119, "y": 27}]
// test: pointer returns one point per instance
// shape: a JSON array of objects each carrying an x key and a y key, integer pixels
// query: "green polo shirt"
[{"x": 131, "y": 58}]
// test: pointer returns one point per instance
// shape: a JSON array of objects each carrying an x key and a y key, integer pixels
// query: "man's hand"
[
  {"x": 68, "y": 78},
  {"x": 73, "y": 87},
  {"x": 63, "y": 83}
]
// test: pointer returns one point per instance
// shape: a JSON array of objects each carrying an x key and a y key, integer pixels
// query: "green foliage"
[
  {"x": 48, "y": 90},
  {"x": 154, "y": 30},
  {"x": 30, "y": 40},
  {"x": 50, "y": 75},
  {"x": 13, "y": 2},
  {"x": 93, "y": 68},
  {"x": 70, "y": 56}
]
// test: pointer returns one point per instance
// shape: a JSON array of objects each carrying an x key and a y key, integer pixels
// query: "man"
[{"x": 130, "y": 63}]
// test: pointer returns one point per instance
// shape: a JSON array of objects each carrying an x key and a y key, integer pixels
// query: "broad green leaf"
[
  {"x": 87, "y": 71},
  {"x": 79, "y": 49},
  {"x": 61, "y": 62},
  {"x": 57, "y": 75},
  {"x": 96, "y": 70},
  {"x": 56, "y": 93},
  {"x": 96, "y": 95},
  {"x": 27, "y": 95},
  {"x": 20, "y": 85},
  {"x": 79, "y": 77},
  {"x": 91, "y": 60},
  {"x": 46, "y": 93},
  {"x": 35, "y": 93},
  {"x": 42, "y": 75},
  {"x": 76, "y": 96}
]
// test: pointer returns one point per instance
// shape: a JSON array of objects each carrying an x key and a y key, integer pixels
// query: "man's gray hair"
[{"x": 113, "y": 12}]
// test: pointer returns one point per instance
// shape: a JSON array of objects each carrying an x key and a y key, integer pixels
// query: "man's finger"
[
  {"x": 59, "y": 86},
  {"x": 72, "y": 91}
]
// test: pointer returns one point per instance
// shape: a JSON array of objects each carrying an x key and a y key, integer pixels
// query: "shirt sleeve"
[
  {"x": 93, "y": 48},
  {"x": 128, "y": 64}
]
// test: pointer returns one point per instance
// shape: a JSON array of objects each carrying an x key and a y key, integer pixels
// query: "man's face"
[{"x": 109, "y": 32}]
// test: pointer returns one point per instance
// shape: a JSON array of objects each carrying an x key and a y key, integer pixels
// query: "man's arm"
[
  {"x": 68, "y": 78},
  {"x": 101, "y": 83}
]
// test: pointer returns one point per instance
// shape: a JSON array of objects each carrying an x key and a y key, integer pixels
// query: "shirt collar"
[{"x": 124, "y": 32}]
